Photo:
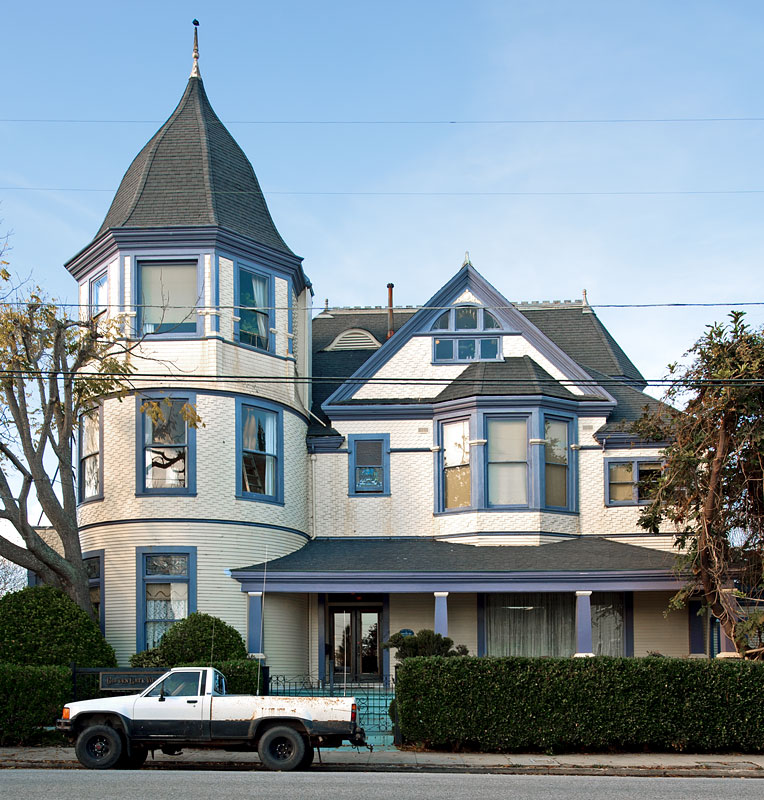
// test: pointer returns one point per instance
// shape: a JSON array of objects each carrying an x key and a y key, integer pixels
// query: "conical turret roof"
[{"x": 192, "y": 173}]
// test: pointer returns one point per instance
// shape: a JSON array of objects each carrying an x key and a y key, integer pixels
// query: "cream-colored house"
[{"x": 465, "y": 467}]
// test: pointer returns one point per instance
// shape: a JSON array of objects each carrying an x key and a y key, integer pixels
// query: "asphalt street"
[{"x": 22, "y": 784}]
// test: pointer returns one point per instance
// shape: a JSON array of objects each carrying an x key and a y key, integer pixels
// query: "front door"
[{"x": 355, "y": 644}]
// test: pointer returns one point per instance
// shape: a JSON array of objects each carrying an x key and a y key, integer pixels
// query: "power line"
[
  {"x": 617, "y": 193},
  {"x": 510, "y": 121},
  {"x": 387, "y": 381},
  {"x": 521, "y": 305}
]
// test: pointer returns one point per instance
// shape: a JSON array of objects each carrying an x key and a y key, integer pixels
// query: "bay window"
[
  {"x": 507, "y": 459},
  {"x": 516, "y": 459},
  {"x": 556, "y": 463},
  {"x": 457, "y": 485}
]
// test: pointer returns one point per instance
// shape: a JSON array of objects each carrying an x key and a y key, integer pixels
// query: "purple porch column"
[
  {"x": 583, "y": 625},
  {"x": 441, "y": 613}
]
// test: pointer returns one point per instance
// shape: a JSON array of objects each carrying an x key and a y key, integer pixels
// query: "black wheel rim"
[
  {"x": 98, "y": 747},
  {"x": 282, "y": 749}
]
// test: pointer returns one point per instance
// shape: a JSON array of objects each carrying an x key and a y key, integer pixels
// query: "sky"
[{"x": 391, "y": 138}]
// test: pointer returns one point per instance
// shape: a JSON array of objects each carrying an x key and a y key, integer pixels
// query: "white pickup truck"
[{"x": 189, "y": 707}]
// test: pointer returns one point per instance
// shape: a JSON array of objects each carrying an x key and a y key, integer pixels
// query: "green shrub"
[
  {"x": 424, "y": 643},
  {"x": 41, "y": 625},
  {"x": 198, "y": 637},
  {"x": 242, "y": 676},
  {"x": 587, "y": 704},
  {"x": 30, "y": 698}
]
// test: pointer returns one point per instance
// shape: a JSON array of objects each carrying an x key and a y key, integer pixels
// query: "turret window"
[
  {"x": 259, "y": 451},
  {"x": 253, "y": 309},
  {"x": 169, "y": 296}
]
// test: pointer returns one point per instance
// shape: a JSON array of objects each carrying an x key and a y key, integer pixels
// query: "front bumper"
[{"x": 64, "y": 725}]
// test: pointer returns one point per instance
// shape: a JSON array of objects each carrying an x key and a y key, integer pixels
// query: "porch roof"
[{"x": 422, "y": 564}]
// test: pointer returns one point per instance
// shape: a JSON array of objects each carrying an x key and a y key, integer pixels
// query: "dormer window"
[{"x": 452, "y": 345}]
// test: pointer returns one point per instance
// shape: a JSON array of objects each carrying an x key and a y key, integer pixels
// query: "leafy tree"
[
  {"x": 40, "y": 625},
  {"x": 424, "y": 643},
  {"x": 711, "y": 485}
]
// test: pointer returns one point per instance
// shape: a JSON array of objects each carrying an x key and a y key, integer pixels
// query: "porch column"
[
  {"x": 441, "y": 613},
  {"x": 255, "y": 622},
  {"x": 583, "y": 625}
]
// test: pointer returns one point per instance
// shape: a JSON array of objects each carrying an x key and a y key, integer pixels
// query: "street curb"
[{"x": 620, "y": 772}]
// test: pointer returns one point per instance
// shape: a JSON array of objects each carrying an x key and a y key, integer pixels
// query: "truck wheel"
[
  {"x": 136, "y": 759},
  {"x": 307, "y": 759},
  {"x": 99, "y": 747},
  {"x": 281, "y": 748}
]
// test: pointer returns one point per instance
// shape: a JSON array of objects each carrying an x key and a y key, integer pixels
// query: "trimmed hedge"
[
  {"x": 586, "y": 704},
  {"x": 31, "y": 697},
  {"x": 41, "y": 625}
]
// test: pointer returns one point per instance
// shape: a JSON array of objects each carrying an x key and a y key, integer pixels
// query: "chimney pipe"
[{"x": 390, "y": 330}]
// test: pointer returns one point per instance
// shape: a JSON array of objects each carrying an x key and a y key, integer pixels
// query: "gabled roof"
[
  {"x": 468, "y": 279},
  {"x": 355, "y": 554},
  {"x": 193, "y": 173}
]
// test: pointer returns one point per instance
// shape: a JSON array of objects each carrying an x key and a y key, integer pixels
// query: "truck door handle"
[{"x": 192, "y": 701}]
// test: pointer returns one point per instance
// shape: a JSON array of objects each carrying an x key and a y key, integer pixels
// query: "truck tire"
[
  {"x": 99, "y": 747},
  {"x": 307, "y": 759},
  {"x": 281, "y": 748},
  {"x": 136, "y": 759}
]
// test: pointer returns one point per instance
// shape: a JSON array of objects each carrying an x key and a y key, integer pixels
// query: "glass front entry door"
[{"x": 355, "y": 644}]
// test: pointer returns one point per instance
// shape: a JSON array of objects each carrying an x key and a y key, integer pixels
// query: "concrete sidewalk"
[{"x": 347, "y": 759}]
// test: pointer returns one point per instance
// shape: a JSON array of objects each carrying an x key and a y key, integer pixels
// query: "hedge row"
[
  {"x": 588, "y": 704},
  {"x": 31, "y": 697}
]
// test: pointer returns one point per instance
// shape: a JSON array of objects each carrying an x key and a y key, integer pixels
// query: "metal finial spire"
[
  {"x": 466, "y": 259},
  {"x": 195, "y": 69}
]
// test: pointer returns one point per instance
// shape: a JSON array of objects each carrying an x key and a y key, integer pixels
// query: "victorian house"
[{"x": 466, "y": 466}]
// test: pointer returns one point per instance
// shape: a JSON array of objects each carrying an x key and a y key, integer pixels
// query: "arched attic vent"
[{"x": 354, "y": 339}]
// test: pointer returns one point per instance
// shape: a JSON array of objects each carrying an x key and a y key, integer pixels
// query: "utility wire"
[
  {"x": 388, "y": 381},
  {"x": 541, "y": 305},
  {"x": 619, "y": 193},
  {"x": 510, "y": 121}
]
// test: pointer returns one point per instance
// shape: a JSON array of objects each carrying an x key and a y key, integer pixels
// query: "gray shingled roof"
[
  {"x": 579, "y": 332},
  {"x": 512, "y": 376},
  {"x": 586, "y": 553},
  {"x": 328, "y": 326},
  {"x": 631, "y": 403},
  {"x": 192, "y": 173}
]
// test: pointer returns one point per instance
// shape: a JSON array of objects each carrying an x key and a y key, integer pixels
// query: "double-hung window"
[
  {"x": 630, "y": 482},
  {"x": 259, "y": 447},
  {"x": 507, "y": 461},
  {"x": 99, "y": 294},
  {"x": 369, "y": 464},
  {"x": 169, "y": 294},
  {"x": 90, "y": 456},
  {"x": 253, "y": 309},
  {"x": 556, "y": 463},
  {"x": 457, "y": 483},
  {"x": 168, "y": 443},
  {"x": 93, "y": 562},
  {"x": 166, "y": 591}
]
